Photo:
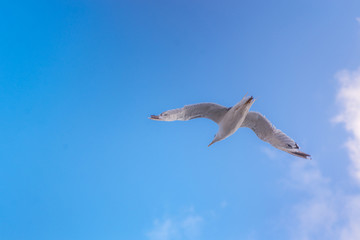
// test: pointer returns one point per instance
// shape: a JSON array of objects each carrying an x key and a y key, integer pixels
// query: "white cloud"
[
  {"x": 318, "y": 214},
  {"x": 329, "y": 212},
  {"x": 358, "y": 19},
  {"x": 351, "y": 230},
  {"x": 163, "y": 230},
  {"x": 188, "y": 227},
  {"x": 349, "y": 98}
]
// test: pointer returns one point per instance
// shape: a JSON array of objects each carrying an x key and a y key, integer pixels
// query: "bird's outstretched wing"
[
  {"x": 211, "y": 111},
  {"x": 269, "y": 133}
]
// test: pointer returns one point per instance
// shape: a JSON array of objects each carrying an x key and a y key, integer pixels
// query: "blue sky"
[{"x": 80, "y": 160}]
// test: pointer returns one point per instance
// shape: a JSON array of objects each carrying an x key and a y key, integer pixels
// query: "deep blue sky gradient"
[{"x": 78, "y": 79}]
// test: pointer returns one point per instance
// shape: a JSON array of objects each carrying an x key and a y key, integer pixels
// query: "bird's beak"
[
  {"x": 211, "y": 143},
  {"x": 154, "y": 117},
  {"x": 250, "y": 100}
]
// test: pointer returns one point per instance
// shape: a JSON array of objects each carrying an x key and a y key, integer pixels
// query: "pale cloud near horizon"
[{"x": 188, "y": 227}]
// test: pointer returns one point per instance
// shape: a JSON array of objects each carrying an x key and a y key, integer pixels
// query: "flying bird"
[{"x": 231, "y": 119}]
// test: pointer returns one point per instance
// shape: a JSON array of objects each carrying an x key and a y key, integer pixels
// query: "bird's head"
[
  {"x": 247, "y": 101},
  {"x": 217, "y": 138},
  {"x": 170, "y": 115}
]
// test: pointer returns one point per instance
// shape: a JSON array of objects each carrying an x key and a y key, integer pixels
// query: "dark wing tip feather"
[{"x": 301, "y": 154}]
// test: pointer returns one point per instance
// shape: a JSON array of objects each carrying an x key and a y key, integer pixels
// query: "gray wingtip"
[{"x": 301, "y": 154}]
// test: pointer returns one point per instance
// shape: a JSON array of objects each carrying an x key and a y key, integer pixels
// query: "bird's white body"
[{"x": 233, "y": 119}]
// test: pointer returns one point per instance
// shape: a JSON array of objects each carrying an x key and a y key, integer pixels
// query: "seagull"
[{"x": 231, "y": 119}]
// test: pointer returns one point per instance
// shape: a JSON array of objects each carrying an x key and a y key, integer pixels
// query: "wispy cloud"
[
  {"x": 351, "y": 230},
  {"x": 349, "y": 99},
  {"x": 317, "y": 215},
  {"x": 188, "y": 227},
  {"x": 329, "y": 212},
  {"x": 191, "y": 226},
  {"x": 163, "y": 230}
]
